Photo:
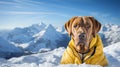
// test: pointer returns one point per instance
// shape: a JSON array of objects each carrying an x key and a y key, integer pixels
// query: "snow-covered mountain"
[
  {"x": 37, "y": 33},
  {"x": 46, "y": 38},
  {"x": 35, "y": 37},
  {"x": 49, "y": 35},
  {"x": 38, "y": 36},
  {"x": 8, "y": 50},
  {"x": 24, "y": 35},
  {"x": 110, "y": 34},
  {"x": 61, "y": 29}
]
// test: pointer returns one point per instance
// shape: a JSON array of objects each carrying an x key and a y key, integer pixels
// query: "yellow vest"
[{"x": 70, "y": 55}]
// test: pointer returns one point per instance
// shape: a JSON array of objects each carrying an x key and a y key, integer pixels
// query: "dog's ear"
[
  {"x": 96, "y": 26},
  {"x": 68, "y": 25}
]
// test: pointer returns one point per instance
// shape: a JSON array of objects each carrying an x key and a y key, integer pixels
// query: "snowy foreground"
[{"x": 52, "y": 59}]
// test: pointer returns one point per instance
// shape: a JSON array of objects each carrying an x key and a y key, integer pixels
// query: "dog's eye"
[{"x": 75, "y": 26}]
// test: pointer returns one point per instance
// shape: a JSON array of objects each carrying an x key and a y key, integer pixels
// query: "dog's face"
[{"x": 82, "y": 30}]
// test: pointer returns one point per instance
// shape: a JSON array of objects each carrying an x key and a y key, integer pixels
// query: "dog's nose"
[{"x": 82, "y": 36}]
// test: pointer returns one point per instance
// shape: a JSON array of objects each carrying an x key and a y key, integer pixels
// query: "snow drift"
[{"x": 52, "y": 59}]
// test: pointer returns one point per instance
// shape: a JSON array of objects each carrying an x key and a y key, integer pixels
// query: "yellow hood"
[{"x": 70, "y": 55}]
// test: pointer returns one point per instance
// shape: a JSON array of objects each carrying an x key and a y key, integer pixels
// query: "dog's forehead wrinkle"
[
  {"x": 85, "y": 20},
  {"x": 88, "y": 22},
  {"x": 78, "y": 21}
]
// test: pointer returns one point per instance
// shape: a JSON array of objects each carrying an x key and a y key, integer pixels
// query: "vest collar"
[{"x": 86, "y": 56}]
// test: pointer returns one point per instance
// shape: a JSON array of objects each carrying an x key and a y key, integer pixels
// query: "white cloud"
[
  {"x": 21, "y": 3},
  {"x": 32, "y": 13},
  {"x": 105, "y": 17},
  {"x": 6, "y": 2}
]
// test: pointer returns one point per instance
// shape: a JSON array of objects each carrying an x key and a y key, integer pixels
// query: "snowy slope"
[
  {"x": 8, "y": 50},
  {"x": 52, "y": 59},
  {"x": 113, "y": 50},
  {"x": 113, "y": 54},
  {"x": 48, "y": 59}
]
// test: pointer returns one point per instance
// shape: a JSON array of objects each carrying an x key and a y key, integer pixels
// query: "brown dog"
[
  {"x": 82, "y": 30},
  {"x": 85, "y": 44}
]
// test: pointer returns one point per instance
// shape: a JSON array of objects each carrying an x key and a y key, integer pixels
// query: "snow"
[
  {"x": 6, "y": 45},
  {"x": 61, "y": 29},
  {"x": 46, "y": 38},
  {"x": 48, "y": 33},
  {"x": 23, "y": 35},
  {"x": 52, "y": 59},
  {"x": 113, "y": 54},
  {"x": 46, "y": 65},
  {"x": 47, "y": 59},
  {"x": 113, "y": 50},
  {"x": 110, "y": 34}
]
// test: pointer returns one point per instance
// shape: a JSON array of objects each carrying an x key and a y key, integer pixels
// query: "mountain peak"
[
  {"x": 48, "y": 32},
  {"x": 50, "y": 27},
  {"x": 41, "y": 24}
]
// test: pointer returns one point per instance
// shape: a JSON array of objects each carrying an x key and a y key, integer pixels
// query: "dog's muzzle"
[{"x": 82, "y": 37}]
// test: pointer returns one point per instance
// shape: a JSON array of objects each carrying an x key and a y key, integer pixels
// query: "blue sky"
[{"x": 20, "y": 13}]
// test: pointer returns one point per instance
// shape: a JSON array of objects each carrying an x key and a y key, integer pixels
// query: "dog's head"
[{"x": 82, "y": 30}]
